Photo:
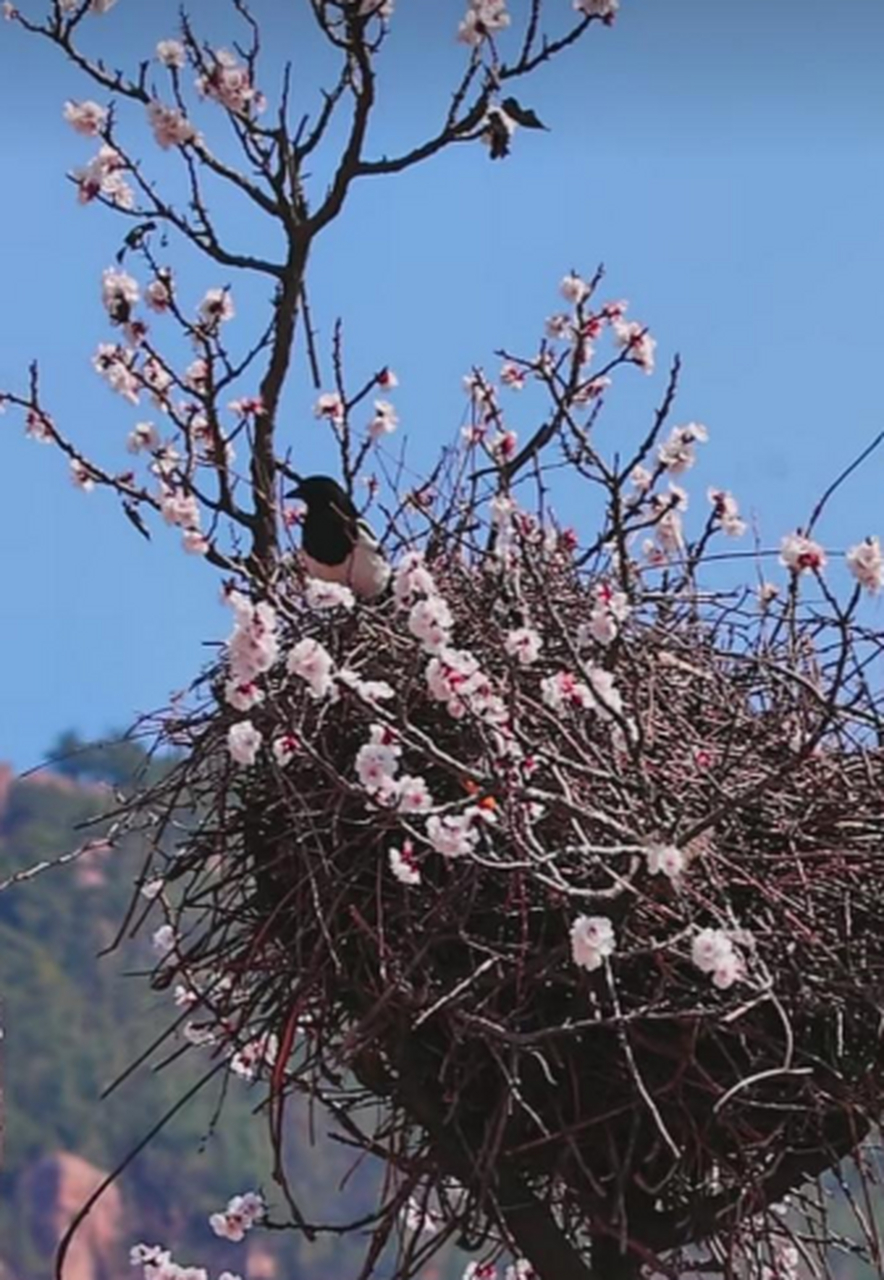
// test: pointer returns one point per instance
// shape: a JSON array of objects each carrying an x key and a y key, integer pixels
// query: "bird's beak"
[{"x": 294, "y": 493}]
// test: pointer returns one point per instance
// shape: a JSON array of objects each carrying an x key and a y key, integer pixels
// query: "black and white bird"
[{"x": 336, "y": 544}]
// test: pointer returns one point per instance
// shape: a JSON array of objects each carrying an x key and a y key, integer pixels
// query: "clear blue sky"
[{"x": 724, "y": 158}]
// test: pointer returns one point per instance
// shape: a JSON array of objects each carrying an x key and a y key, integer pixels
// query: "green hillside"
[{"x": 74, "y": 1022}]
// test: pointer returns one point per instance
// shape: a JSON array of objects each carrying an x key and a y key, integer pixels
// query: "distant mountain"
[{"x": 73, "y": 1023}]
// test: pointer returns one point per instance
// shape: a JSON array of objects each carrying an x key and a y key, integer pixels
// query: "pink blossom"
[
  {"x": 81, "y": 476},
  {"x": 331, "y": 406},
  {"x": 574, "y": 289},
  {"x": 119, "y": 293},
  {"x": 430, "y": 621},
  {"x": 39, "y": 427},
  {"x": 246, "y": 1063},
  {"x": 321, "y": 595},
  {"x": 157, "y": 296},
  {"x": 480, "y": 1271},
  {"x": 801, "y": 554},
  {"x": 246, "y": 406},
  {"x": 244, "y": 742},
  {"x": 312, "y": 663},
  {"x": 524, "y": 643},
  {"x": 171, "y": 127},
  {"x": 483, "y": 18},
  {"x": 163, "y": 940},
  {"x": 592, "y": 941},
  {"x": 180, "y": 508},
  {"x": 376, "y": 765},
  {"x": 285, "y": 748},
  {"x": 253, "y": 647},
  {"x": 677, "y": 453},
  {"x": 157, "y": 380},
  {"x": 452, "y": 835},
  {"x": 403, "y": 864},
  {"x": 115, "y": 364},
  {"x": 216, "y": 308},
  {"x": 143, "y": 436},
  {"x": 710, "y": 949},
  {"x": 511, "y": 375},
  {"x": 559, "y": 326},
  {"x": 243, "y": 696},
  {"x": 665, "y": 859},
  {"x": 171, "y": 53},
  {"x": 503, "y": 446},
  {"x": 412, "y": 579},
  {"x": 866, "y": 562},
  {"x": 413, "y": 795},
  {"x": 368, "y": 690},
  {"x": 604, "y": 9},
  {"x": 102, "y": 177},
  {"x": 385, "y": 420},
  {"x": 727, "y": 512},
  {"x": 196, "y": 376},
  {"x": 86, "y": 118},
  {"x": 637, "y": 342},
  {"x": 246, "y": 1210},
  {"x": 228, "y": 83},
  {"x": 102, "y": 6}
]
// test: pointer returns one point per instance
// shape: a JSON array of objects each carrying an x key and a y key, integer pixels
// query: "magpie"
[{"x": 336, "y": 545}]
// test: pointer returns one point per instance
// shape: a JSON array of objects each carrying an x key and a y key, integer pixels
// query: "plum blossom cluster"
[
  {"x": 592, "y": 941},
  {"x": 801, "y": 554},
  {"x": 241, "y": 1214},
  {"x": 228, "y": 81},
  {"x": 866, "y": 562},
  {"x": 171, "y": 127},
  {"x": 483, "y": 20},
  {"x": 157, "y": 1263},
  {"x": 713, "y": 952}
]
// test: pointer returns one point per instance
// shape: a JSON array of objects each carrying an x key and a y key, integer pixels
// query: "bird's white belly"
[{"x": 365, "y": 571}]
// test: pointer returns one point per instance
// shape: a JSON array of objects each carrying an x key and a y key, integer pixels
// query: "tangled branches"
[{"x": 554, "y": 874}]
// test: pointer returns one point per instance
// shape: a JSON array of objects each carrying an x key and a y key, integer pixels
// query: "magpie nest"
[{"x": 699, "y": 763}]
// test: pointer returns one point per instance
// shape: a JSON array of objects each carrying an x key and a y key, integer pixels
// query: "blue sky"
[{"x": 724, "y": 160}]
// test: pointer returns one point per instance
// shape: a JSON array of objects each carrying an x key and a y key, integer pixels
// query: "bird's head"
[{"x": 320, "y": 491}]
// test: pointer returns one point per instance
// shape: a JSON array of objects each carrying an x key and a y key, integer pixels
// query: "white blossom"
[
  {"x": 483, "y": 18},
  {"x": 171, "y": 127},
  {"x": 665, "y": 859},
  {"x": 119, "y": 293},
  {"x": 712, "y": 951},
  {"x": 385, "y": 420},
  {"x": 163, "y": 940},
  {"x": 430, "y": 621},
  {"x": 216, "y": 308},
  {"x": 171, "y": 53},
  {"x": 244, "y": 742},
  {"x": 866, "y": 562},
  {"x": 574, "y": 289},
  {"x": 524, "y": 643},
  {"x": 403, "y": 864},
  {"x": 321, "y": 595},
  {"x": 86, "y": 118},
  {"x": 605, "y": 9},
  {"x": 311, "y": 662},
  {"x": 413, "y": 795},
  {"x": 81, "y": 477},
  {"x": 452, "y": 835},
  {"x": 801, "y": 554},
  {"x": 592, "y": 941}
]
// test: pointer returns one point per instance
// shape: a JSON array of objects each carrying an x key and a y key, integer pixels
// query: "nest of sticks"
[{"x": 449, "y": 1024}]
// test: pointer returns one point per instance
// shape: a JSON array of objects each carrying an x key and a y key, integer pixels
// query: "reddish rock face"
[{"x": 49, "y": 1195}]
